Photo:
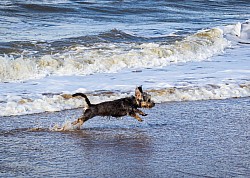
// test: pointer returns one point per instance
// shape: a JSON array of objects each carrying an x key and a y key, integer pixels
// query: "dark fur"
[{"x": 117, "y": 108}]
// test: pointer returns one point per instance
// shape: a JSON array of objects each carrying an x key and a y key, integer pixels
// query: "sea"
[{"x": 192, "y": 57}]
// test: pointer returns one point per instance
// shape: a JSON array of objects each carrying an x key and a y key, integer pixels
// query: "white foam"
[
  {"x": 222, "y": 91},
  {"x": 16, "y": 69},
  {"x": 239, "y": 32},
  {"x": 81, "y": 60}
]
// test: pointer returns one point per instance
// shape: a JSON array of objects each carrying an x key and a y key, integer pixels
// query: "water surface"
[{"x": 177, "y": 139}]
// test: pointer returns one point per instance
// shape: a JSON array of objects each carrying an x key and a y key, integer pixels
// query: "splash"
[
  {"x": 66, "y": 126},
  {"x": 239, "y": 32}
]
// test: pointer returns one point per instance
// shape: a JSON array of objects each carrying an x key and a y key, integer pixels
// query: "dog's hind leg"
[
  {"x": 80, "y": 121},
  {"x": 86, "y": 116}
]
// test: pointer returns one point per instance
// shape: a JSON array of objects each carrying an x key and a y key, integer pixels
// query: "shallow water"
[{"x": 177, "y": 139}]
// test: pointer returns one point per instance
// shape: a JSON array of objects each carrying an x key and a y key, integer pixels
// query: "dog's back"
[{"x": 116, "y": 108}]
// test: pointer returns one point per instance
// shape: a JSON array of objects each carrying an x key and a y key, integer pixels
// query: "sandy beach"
[{"x": 177, "y": 139}]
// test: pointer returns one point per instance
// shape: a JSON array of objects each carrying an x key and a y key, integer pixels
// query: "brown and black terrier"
[{"x": 121, "y": 107}]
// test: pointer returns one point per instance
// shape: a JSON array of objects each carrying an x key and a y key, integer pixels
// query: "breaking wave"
[{"x": 112, "y": 57}]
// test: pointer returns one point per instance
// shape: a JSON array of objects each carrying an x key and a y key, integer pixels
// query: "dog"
[{"x": 121, "y": 107}]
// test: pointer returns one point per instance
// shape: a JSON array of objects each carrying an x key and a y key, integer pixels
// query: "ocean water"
[
  {"x": 178, "y": 51},
  {"x": 193, "y": 57}
]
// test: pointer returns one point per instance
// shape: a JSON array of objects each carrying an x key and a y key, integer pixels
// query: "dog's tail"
[{"x": 84, "y": 96}]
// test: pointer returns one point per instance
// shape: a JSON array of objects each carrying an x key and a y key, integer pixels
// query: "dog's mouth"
[{"x": 145, "y": 104}]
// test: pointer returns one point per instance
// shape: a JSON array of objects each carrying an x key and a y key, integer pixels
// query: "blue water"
[
  {"x": 178, "y": 139},
  {"x": 55, "y": 20},
  {"x": 50, "y": 47},
  {"x": 40, "y": 39}
]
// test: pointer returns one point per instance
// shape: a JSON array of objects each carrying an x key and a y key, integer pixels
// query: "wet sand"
[{"x": 177, "y": 139}]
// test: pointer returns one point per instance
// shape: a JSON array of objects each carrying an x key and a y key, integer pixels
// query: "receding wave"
[{"x": 112, "y": 57}]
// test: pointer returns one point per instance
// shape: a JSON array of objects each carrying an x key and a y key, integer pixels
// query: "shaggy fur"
[{"x": 121, "y": 107}]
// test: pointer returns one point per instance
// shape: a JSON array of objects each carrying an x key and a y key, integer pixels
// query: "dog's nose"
[{"x": 150, "y": 105}]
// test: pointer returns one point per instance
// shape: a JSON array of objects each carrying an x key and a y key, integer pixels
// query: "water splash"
[{"x": 66, "y": 126}]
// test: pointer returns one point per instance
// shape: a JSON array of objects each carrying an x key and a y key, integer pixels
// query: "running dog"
[{"x": 117, "y": 108}]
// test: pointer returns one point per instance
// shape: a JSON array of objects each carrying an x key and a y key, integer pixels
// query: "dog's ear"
[{"x": 138, "y": 93}]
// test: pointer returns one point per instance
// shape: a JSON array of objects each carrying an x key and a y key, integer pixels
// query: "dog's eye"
[{"x": 146, "y": 97}]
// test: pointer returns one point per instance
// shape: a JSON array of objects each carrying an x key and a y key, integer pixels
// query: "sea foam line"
[{"x": 22, "y": 106}]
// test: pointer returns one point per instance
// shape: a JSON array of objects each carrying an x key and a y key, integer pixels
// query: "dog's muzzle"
[{"x": 145, "y": 104}]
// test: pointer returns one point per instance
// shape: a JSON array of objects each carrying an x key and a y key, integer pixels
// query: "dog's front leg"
[{"x": 140, "y": 112}]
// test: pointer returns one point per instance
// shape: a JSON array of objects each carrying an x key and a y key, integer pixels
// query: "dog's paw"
[
  {"x": 140, "y": 120},
  {"x": 144, "y": 114},
  {"x": 78, "y": 121},
  {"x": 77, "y": 126},
  {"x": 74, "y": 123}
]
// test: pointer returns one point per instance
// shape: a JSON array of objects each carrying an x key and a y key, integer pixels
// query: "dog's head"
[{"x": 143, "y": 99}]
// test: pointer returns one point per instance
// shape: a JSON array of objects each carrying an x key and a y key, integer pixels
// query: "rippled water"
[
  {"x": 178, "y": 51},
  {"x": 55, "y": 19},
  {"x": 178, "y": 139}
]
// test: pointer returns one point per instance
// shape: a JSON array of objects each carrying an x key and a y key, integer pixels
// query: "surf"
[
  {"x": 173, "y": 71},
  {"x": 113, "y": 57}
]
